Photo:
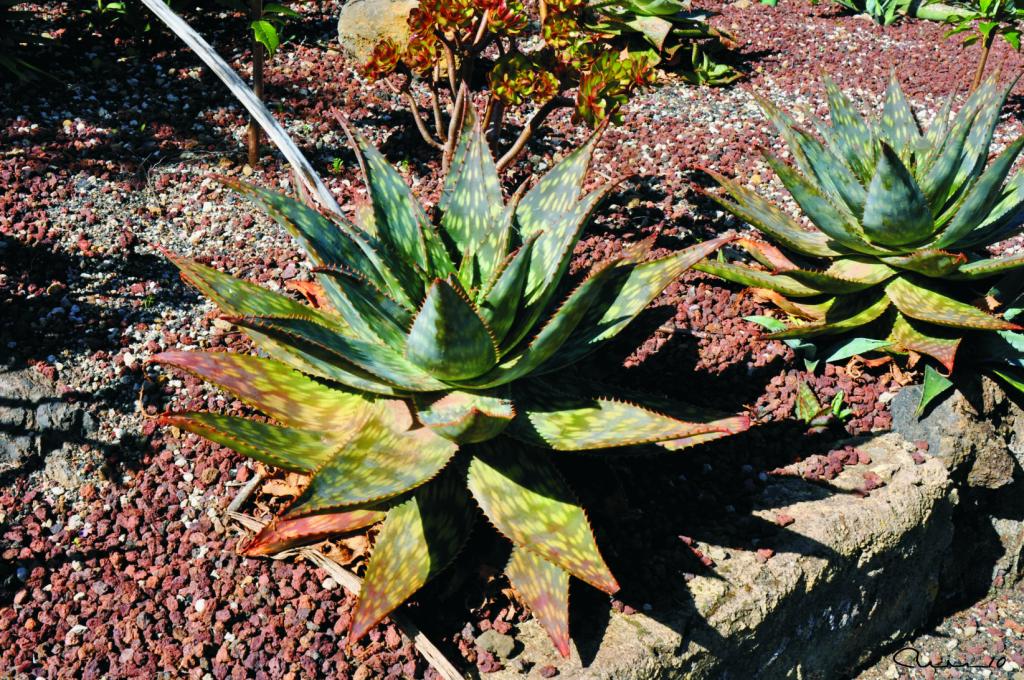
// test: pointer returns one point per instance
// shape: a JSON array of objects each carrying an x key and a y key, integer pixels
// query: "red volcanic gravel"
[{"x": 115, "y": 561}]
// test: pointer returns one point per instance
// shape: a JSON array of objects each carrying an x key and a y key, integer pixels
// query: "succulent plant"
[
  {"x": 429, "y": 377},
  {"x": 901, "y": 219}
]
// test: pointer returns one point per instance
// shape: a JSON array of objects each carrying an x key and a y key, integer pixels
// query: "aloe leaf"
[
  {"x": 544, "y": 587},
  {"x": 1003, "y": 220},
  {"x": 465, "y": 417},
  {"x": 239, "y": 297},
  {"x": 288, "y": 448},
  {"x": 982, "y": 198},
  {"x": 550, "y": 259},
  {"x": 331, "y": 243},
  {"x": 378, "y": 315},
  {"x": 498, "y": 306},
  {"x": 919, "y": 302},
  {"x": 935, "y": 385},
  {"x": 755, "y": 278},
  {"x": 1011, "y": 378},
  {"x": 271, "y": 387},
  {"x": 807, "y": 406},
  {"x": 908, "y": 335},
  {"x": 379, "y": 462},
  {"x": 836, "y": 223},
  {"x": 932, "y": 141},
  {"x": 523, "y": 495},
  {"x": 988, "y": 99},
  {"x": 843, "y": 316},
  {"x": 448, "y": 339},
  {"x": 851, "y": 133},
  {"x": 927, "y": 261},
  {"x": 419, "y": 538},
  {"x": 282, "y": 534},
  {"x": 839, "y": 182},
  {"x": 899, "y": 127},
  {"x": 399, "y": 217},
  {"x": 802, "y": 310},
  {"x": 844, "y": 275},
  {"x": 544, "y": 205},
  {"x": 376, "y": 359},
  {"x": 730, "y": 426},
  {"x": 554, "y": 418},
  {"x": 632, "y": 288},
  {"x": 491, "y": 252},
  {"x": 856, "y": 346},
  {"x": 766, "y": 254},
  {"x": 474, "y": 202},
  {"x": 991, "y": 266},
  {"x": 936, "y": 181},
  {"x": 554, "y": 333},
  {"x": 755, "y": 210},
  {"x": 896, "y": 212}
]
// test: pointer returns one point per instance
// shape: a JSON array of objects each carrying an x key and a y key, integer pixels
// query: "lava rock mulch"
[{"x": 127, "y": 568}]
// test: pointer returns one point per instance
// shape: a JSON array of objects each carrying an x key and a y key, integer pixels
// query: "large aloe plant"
[
  {"x": 901, "y": 218},
  {"x": 418, "y": 386}
]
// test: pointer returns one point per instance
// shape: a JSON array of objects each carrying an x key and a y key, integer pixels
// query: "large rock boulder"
[
  {"x": 850, "y": 574},
  {"x": 364, "y": 23},
  {"x": 978, "y": 434}
]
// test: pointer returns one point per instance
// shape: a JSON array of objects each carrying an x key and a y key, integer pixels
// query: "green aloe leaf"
[
  {"x": 988, "y": 99},
  {"x": 271, "y": 387},
  {"x": 939, "y": 177},
  {"x": 282, "y": 534},
  {"x": 807, "y": 406},
  {"x": 544, "y": 587},
  {"x": 919, "y": 302},
  {"x": 375, "y": 359},
  {"x": 399, "y": 217},
  {"x": 844, "y": 275},
  {"x": 379, "y": 462},
  {"x": 844, "y": 315},
  {"x": 332, "y": 243},
  {"x": 465, "y": 417},
  {"x": 554, "y": 333},
  {"x": 1012, "y": 378},
  {"x": 899, "y": 127},
  {"x": 288, "y": 448},
  {"x": 558, "y": 419},
  {"x": 982, "y": 198},
  {"x": 991, "y": 266},
  {"x": 498, "y": 307},
  {"x": 932, "y": 141},
  {"x": 755, "y": 210},
  {"x": 523, "y": 495},
  {"x": 555, "y": 195},
  {"x": 1003, "y": 220},
  {"x": 935, "y": 385},
  {"x": 419, "y": 538},
  {"x": 491, "y": 252},
  {"x": 474, "y": 202},
  {"x": 377, "y": 315},
  {"x": 897, "y": 212},
  {"x": 856, "y": 346},
  {"x": 927, "y": 261},
  {"x": 850, "y": 133},
  {"x": 756, "y": 278},
  {"x": 449, "y": 339},
  {"x": 837, "y": 223},
  {"x": 631, "y": 289}
]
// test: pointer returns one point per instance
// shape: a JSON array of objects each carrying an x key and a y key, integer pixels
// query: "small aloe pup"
[
  {"x": 900, "y": 220},
  {"x": 428, "y": 379}
]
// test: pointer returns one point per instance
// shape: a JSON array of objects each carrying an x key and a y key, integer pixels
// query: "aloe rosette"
[
  {"x": 900, "y": 221},
  {"x": 429, "y": 377}
]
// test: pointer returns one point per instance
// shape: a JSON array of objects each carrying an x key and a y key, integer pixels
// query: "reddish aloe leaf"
[
  {"x": 272, "y": 387},
  {"x": 918, "y": 302},
  {"x": 908, "y": 335},
  {"x": 282, "y": 534},
  {"x": 553, "y": 418},
  {"x": 725, "y": 427},
  {"x": 812, "y": 312},
  {"x": 420, "y": 537},
  {"x": 283, "y": 447},
  {"x": 448, "y": 339},
  {"x": 523, "y": 495},
  {"x": 465, "y": 417},
  {"x": 844, "y": 315},
  {"x": 378, "y": 462},
  {"x": 767, "y": 254},
  {"x": 545, "y": 589}
]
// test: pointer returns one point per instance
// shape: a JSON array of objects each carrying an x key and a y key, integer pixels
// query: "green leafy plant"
[
  {"x": 816, "y": 416},
  {"x": 535, "y": 56},
  {"x": 900, "y": 221},
  {"x": 884, "y": 12},
  {"x": 985, "y": 21},
  {"x": 430, "y": 375}
]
